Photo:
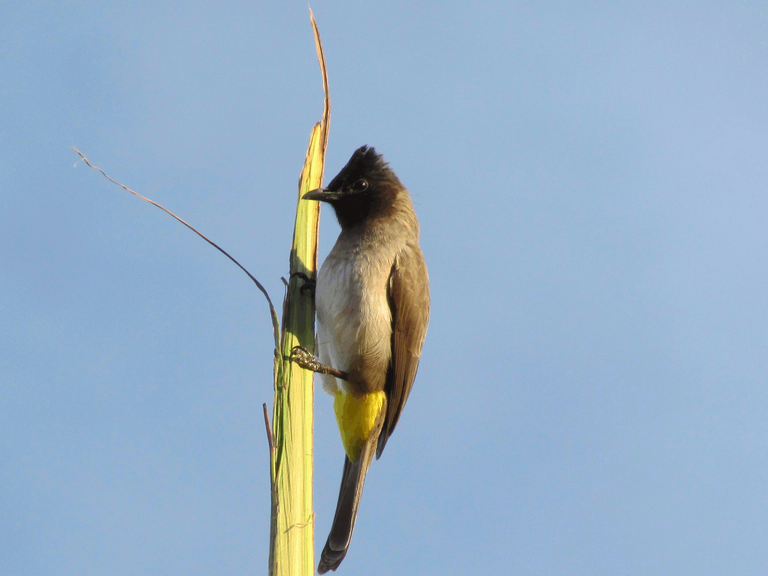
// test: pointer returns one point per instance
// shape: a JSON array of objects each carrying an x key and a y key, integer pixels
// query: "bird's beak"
[{"x": 322, "y": 195}]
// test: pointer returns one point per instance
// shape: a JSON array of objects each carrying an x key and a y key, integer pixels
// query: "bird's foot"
[
  {"x": 303, "y": 358},
  {"x": 309, "y": 283}
]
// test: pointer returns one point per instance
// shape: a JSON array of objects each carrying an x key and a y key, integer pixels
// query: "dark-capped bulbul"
[{"x": 372, "y": 301}]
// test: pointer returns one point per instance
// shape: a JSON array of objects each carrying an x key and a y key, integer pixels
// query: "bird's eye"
[{"x": 360, "y": 185}]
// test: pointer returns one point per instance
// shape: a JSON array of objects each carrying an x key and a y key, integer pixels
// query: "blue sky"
[{"x": 591, "y": 183}]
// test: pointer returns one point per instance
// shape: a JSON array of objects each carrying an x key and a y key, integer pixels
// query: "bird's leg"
[
  {"x": 309, "y": 283},
  {"x": 303, "y": 358}
]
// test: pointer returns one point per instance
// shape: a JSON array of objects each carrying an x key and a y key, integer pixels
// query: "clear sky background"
[{"x": 591, "y": 180}]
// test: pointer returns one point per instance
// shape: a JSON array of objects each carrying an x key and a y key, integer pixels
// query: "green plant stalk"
[
  {"x": 292, "y": 533},
  {"x": 292, "y": 524}
]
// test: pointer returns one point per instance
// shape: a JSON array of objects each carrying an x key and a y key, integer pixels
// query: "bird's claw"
[
  {"x": 305, "y": 359},
  {"x": 309, "y": 283}
]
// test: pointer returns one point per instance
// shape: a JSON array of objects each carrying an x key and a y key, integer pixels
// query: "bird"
[{"x": 372, "y": 302}]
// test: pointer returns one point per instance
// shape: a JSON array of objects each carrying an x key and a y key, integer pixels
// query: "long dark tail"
[{"x": 352, "y": 481}]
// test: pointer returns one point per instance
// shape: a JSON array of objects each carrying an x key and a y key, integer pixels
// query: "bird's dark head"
[{"x": 365, "y": 188}]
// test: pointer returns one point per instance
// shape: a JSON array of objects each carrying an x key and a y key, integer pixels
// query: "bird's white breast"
[{"x": 354, "y": 321}]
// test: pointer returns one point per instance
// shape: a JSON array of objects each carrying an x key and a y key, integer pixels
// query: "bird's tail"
[{"x": 352, "y": 481}]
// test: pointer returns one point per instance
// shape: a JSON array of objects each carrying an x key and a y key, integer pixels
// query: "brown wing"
[{"x": 409, "y": 302}]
